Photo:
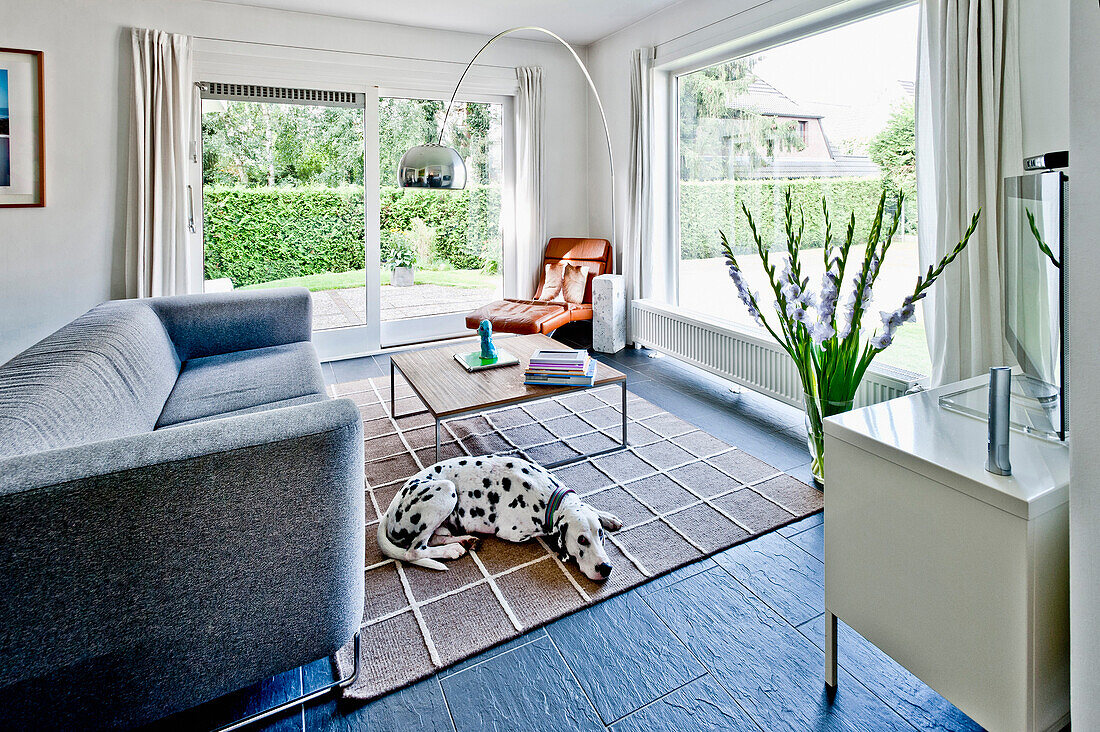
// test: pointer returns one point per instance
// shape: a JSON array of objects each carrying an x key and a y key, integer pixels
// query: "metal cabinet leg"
[
  {"x": 437, "y": 440},
  {"x": 393, "y": 407},
  {"x": 830, "y": 651}
]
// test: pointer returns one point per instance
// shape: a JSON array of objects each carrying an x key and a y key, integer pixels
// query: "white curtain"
[
  {"x": 968, "y": 140},
  {"x": 530, "y": 229},
  {"x": 160, "y": 133},
  {"x": 639, "y": 223}
]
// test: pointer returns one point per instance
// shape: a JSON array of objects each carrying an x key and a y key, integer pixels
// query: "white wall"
[
  {"x": 690, "y": 28},
  {"x": 58, "y": 261},
  {"x": 1084, "y": 366}
]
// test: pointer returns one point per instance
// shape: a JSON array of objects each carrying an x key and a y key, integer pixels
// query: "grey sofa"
[{"x": 181, "y": 509}]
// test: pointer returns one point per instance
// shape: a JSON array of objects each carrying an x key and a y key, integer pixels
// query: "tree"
[
  {"x": 894, "y": 150},
  {"x": 265, "y": 144},
  {"x": 717, "y": 135}
]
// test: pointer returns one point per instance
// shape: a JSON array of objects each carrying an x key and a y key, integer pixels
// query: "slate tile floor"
[{"x": 731, "y": 642}]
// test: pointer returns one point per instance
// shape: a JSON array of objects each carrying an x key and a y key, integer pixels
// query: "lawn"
[
  {"x": 467, "y": 279},
  {"x": 909, "y": 350}
]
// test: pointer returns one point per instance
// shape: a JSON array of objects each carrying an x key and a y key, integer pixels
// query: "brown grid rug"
[{"x": 681, "y": 493}]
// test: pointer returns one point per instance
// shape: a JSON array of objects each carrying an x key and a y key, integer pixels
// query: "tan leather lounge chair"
[{"x": 525, "y": 317}]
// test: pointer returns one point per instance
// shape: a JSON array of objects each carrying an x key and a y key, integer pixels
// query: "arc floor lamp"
[{"x": 442, "y": 168}]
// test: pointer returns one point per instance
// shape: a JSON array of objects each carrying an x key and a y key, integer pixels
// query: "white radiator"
[{"x": 751, "y": 360}]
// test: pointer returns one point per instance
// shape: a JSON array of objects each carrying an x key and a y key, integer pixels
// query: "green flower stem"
[{"x": 832, "y": 371}]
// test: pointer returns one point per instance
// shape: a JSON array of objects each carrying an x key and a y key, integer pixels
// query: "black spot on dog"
[
  {"x": 508, "y": 465},
  {"x": 506, "y": 484},
  {"x": 492, "y": 518},
  {"x": 493, "y": 497},
  {"x": 526, "y": 484},
  {"x": 514, "y": 528},
  {"x": 478, "y": 463},
  {"x": 414, "y": 519},
  {"x": 397, "y": 514},
  {"x": 438, "y": 468},
  {"x": 487, "y": 482},
  {"x": 477, "y": 511},
  {"x": 525, "y": 471},
  {"x": 476, "y": 494},
  {"x": 462, "y": 512},
  {"x": 461, "y": 462}
]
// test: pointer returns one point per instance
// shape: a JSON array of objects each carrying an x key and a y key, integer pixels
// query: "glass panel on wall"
[
  {"x": 283, "y": 203},
  {"x": 829, "y": 115},
  {"x": 442, "y": 251}
]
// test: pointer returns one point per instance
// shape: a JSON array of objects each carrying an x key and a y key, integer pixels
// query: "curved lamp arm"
[{"x": 591, "y": 85}]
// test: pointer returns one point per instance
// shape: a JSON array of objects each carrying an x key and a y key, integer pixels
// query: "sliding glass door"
[
  {"x": 299, "y": 188},
  {"x": 282, "y": 197},
  {"x": 441, "y": 252}
]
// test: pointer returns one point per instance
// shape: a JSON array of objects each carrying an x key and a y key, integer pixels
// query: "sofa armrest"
[
  {"x": 213, "y": 323},
  {"x": 232, "y": 549}
]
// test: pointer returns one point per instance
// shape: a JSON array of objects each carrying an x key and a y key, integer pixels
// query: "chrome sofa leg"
[{"x": 303, "y": 699}]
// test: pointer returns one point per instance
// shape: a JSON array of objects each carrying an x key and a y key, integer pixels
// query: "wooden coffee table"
[{"x": 448, "y": 390}]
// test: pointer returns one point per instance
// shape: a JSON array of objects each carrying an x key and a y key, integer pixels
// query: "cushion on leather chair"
[{"x": 592, "y": 253}]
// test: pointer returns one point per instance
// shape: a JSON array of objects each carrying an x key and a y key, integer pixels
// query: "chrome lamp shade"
[{"x": 432, "y": 166}]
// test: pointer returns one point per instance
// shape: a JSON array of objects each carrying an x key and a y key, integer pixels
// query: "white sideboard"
[{"x": 960, "y": 576}]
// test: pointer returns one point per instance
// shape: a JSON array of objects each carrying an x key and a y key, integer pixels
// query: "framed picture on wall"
[{"x": 22, "y": 123}]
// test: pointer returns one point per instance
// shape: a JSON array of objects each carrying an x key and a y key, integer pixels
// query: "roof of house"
[
  {"x": 763, "y": 98},
  {"x": 840, "y": 166}
]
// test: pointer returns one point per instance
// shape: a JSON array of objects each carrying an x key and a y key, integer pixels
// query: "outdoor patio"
[{"x": 348, "y": 306}]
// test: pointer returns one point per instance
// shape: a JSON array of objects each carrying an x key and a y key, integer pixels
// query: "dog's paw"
[
  {"x": 452, "y": 551},
  {"x": 610, "y": 521},
  {"x": 473, "y": 543}
]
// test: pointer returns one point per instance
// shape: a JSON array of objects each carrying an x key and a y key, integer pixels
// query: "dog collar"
[{"x": 554, "y": 502}]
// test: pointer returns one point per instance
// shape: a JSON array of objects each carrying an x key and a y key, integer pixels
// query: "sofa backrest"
[{"x": 106, "y": 374}]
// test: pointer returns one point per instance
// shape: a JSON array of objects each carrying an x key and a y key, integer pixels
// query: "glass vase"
[{"x": 817, "y": 409}]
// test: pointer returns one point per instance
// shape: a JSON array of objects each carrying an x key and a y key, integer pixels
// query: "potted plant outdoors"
[
  {"x": 831, "y": 350},
  {"x": 402, "y": 261}
]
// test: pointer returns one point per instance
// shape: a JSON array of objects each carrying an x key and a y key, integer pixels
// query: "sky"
[{"x": 858, "y": 64}]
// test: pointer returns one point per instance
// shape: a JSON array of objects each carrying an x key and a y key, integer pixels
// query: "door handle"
[{"x": 191, "y": 209}]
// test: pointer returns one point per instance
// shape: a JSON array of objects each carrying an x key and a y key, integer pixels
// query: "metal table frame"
[{"x": 394, "y": 368}]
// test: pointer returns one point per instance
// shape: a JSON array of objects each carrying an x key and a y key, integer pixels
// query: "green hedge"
[
  {"x": 466, "y": 223},
  {"x": 256, "y": 235},
  {"x": 706, "y": 207}
]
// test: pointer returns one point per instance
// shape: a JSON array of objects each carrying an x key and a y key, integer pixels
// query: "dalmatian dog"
[{"x": 437, "y": 511}]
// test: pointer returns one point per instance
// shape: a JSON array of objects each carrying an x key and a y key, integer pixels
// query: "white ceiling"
[{"x": 578, "y": 21}]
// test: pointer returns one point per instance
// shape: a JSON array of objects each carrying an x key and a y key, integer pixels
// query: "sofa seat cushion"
[
  {"x": 236, "y": 382},
  {"x": 307, "y": 399}
]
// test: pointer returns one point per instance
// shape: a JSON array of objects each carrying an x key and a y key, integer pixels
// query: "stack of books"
[{"x": 561, "y": 368}]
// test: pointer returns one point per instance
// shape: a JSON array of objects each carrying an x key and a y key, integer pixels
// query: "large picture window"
[{"x": 829, "y": 115}]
